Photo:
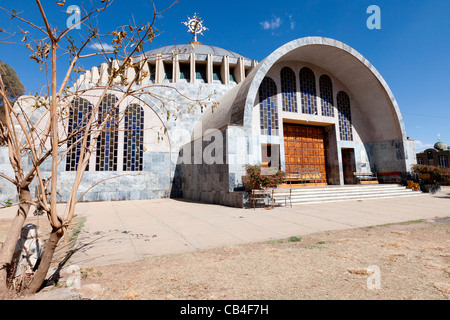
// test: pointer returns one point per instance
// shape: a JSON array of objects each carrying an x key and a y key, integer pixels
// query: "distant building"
[{"x": 438, "y": 156}]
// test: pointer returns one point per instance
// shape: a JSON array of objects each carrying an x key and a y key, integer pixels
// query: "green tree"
[
  {"x": 13, "y": 85},
  {"x": 14, "y": 88}
]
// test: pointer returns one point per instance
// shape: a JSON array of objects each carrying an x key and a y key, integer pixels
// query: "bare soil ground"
[
  {"x": 44, "y": 230},
  {"x": 413, "y": 259}
]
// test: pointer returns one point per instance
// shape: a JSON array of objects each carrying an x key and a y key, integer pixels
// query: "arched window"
[
  {"x": 268, "y": 109},
  {"x": 326, "y": 94},
  {"x": 289, "y": 89},
  {"x": 108, "y": 140},
  {"x": 308, "y": 90},
  {"x": 79, "y": 115},
  {"x": 133, "y": 143},
  {"x": 345, "y": 116}
]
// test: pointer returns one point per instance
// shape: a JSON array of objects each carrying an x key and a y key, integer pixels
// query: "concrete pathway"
[{"x": 120, "y": 232}]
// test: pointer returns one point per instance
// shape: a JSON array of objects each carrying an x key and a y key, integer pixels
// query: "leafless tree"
[{"x": 47, "y": 138}]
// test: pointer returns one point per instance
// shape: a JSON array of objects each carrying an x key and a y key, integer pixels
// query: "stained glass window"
[
  {"x": 308, "y": 91},
  {"x": 326, "y": 94},
  {"x": 268, "y": 107},
  {"x": 108, "y": 140},
  {"x": 345, "y": 116},
  {"x": 288, "y": 90},
  {"x": 133, "y": 146},
  {"x": 80, "y": 112}
]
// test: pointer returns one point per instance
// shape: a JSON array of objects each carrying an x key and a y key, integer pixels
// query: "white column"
[
  {"x": 225, "y": 70},
  {"x": 130, "y": 75},
  {"x": 115, "y": 67},
  {"x": 192, "y": 70},
  {"x": 159, "y": 76},
  {"x": 239, "y": 71},
  {"x": 87, "y": 77},
  {"x": 103, "y": 73},
  {"x": 175, "y": 68},
  {"x": 209, "y": 68},
  {"x": 145, "y": 72},
  {"x": 95, "y": 76}
]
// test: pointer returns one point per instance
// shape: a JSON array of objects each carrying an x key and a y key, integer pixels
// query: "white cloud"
[
  {"x": 273, "y": 24},
  {"x": 292, "y": 22},
  {"x": 100, "y": 46},
  {"x": 420, "y": 146}
]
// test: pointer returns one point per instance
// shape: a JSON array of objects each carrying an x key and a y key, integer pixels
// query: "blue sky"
[{"x": 411, "y": 50}]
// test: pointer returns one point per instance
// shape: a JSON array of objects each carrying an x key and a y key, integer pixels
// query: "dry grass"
[{"x": 413, "y": 259}]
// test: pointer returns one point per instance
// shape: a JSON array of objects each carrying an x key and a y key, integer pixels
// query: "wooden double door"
[{"x": 304, "y": 149}]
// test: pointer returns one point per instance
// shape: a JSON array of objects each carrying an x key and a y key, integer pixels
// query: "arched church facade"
[{"x": 313, "y": 105}]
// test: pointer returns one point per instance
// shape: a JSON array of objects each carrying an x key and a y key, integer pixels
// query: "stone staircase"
[{"x": 338, "y": 193}]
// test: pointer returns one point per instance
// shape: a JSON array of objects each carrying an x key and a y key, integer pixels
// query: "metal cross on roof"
[{"x": 195, "y": 26}]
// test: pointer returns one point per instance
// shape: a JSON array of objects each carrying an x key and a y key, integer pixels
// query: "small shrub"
[
  {"x": 295, "y": 239},
  {"x": 436, "y": 173},
  {"x": 259, "y": 181}
]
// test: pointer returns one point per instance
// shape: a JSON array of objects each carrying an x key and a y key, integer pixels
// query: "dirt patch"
[{"x": 412, "y": 259}]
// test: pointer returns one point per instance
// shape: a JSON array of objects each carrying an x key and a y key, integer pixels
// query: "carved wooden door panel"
[{"x": 304, "y": 149}]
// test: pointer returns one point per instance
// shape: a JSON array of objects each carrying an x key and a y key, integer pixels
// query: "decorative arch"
[
  {"x": 326, "y": 94},
  {"x": 133, "y": 143},
  {"x": 308, "y": 91},
  {"x": 268, "y": 107},
  {"x": 108, "y": 140},
  {"x": 288, "y": 89},
  {"x": 345, "y": 116},
  {"x": 79, "y": 115},
  {"x": 338, "y": 59}
]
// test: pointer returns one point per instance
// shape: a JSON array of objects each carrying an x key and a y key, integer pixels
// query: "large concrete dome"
[{"x": 195, "y": 48}]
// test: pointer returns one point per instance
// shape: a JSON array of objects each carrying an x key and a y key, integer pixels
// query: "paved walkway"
[{"x": 119, "y": 232}]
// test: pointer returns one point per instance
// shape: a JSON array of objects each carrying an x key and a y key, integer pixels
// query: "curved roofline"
[
  {"x": 238, "y": 103},
  {"x": 196, "y": 48},
  {"x": 257, "y": 75}
]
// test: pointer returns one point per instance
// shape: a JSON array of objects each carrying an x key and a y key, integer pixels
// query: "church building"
[{"x": 314, "y": 105}]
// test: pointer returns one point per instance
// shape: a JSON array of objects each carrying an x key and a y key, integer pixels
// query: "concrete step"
[
  {"x": 345, "y": 187},
  {"x": 337, "y": 193}
]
